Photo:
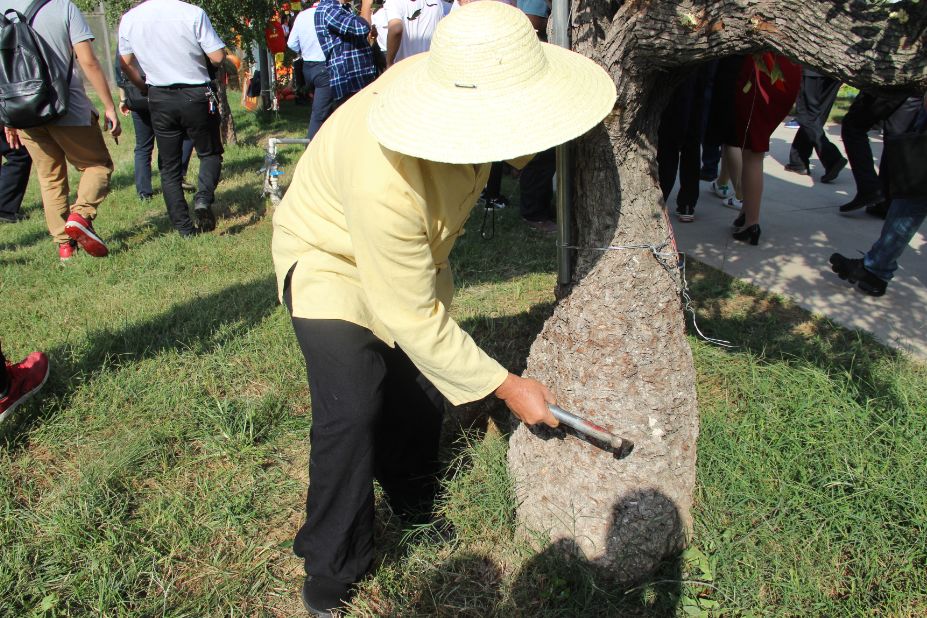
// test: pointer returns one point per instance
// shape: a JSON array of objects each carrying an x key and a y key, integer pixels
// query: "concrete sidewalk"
[{"x": 801, "y": 228}]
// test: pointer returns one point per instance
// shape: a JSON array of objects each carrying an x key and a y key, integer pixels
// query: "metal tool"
[{"x": 619, "y": 445}]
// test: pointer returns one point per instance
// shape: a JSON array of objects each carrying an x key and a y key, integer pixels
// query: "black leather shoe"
[
  {"x": 11, "y": 218},
  {"x": 749, "y": 234},
  {"x": 204, "y": 216},
  {"x": 862, "y": 201},
  {"x": 802, "y": 170},
  {"x": 322, "y": 596},
  {"x": 739, "y": 221},
  {"x": 831, "y": 173},
  {"x": 854, "y": 271}
]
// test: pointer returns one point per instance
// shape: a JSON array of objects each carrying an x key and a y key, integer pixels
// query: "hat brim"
[{"x": 416, "y": 116}]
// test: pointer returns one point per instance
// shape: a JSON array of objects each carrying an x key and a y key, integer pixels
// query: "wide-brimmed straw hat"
[{"x": 488, "y": 90}]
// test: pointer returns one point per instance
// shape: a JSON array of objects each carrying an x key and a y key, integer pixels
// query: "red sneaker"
[
  {"x": 26, "y": 378},
  {"x": 81, "y": 230},
  {"x": 66, "y": 250}
]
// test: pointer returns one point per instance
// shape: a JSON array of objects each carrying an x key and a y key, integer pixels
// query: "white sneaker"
[
  {"x": 722, "y": 191},
  {"x": 732, "y": 202}
]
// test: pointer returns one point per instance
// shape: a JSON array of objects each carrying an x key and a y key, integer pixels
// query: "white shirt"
[
  {"x": 382, "y": 24},
  {"x": 170, "y": 39},
  {"x": 419, "y": 19},
  {"x": 303, "y": 39}
]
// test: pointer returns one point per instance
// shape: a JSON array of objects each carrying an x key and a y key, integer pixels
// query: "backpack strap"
[{"x": 34, "y": 9}]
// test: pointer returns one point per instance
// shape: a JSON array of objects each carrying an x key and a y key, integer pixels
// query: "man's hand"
[
  {"x": 527, "y": 399},
  {"x": 124, "y": 108},
  {"x": 112, "y": 123},
  {"x": 12, "y": 137}
]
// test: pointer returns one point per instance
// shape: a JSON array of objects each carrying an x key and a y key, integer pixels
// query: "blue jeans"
[
  {"x": 903, "y": 220},
  {"x": 317, "y": 78},
  {"x": 144, "y": 146}
]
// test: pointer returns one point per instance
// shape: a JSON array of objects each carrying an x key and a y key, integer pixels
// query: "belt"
[{"x": 180, "y": 86}]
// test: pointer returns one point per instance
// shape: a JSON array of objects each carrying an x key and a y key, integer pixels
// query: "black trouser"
[
  {"x": 898, "y": 112},
  {"x": 14, "y": 176},
  {"x": 815, "y": 99},
  {"x": 536, "y": 185},
  {"x": 373, "y": 416},
  {"x": 679, "y": 141},
  {"x": 494, "y": 184},
  {"x": 178, "y": 112}
]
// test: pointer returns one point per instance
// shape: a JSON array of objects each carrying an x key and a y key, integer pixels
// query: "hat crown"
[{"x": 485, "y": 45}]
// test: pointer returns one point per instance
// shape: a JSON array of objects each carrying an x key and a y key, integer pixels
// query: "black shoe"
[
  {"x": 798, "y": 169},
  {"x": 187, "y": 186},
  {"x": 322, "y": 596},
  {"x": 195, "y": 231},
  {"x": 830, "y": 174},
  {"x": 707, "y": 174},
  {"x": 862, "y": 201},
  {"x": 880, "y": 210},
  {"x": 739, "y": 221},
  {"x": 685, "y": 213},
  {"x": 749, "y": 234},
  {"x": 204, "y": 216},
  {"x": 855, "y": 271},
  {"x": 6, "y": 217},
  {"x": 144, "y": 197}
]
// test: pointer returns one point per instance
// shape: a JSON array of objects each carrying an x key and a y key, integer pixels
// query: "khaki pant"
[{"x": 51, "y": 147}]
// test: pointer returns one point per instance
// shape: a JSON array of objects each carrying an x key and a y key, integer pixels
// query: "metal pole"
[
  {"x": 264, "y": 66},
  {"x": 110, "y": 61},
  {"x": 560, "y": 35}
]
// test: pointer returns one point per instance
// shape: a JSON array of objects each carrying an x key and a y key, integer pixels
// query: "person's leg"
[
  {"x": 752, "y": 185},
  {"x": 732, "y": 163},
  {"x": 407, "y": 437},
  {"x": 85, "y": 150},
  {"x": 667, "y": 157},
  {"x": 144, "y": 147},
  {"x": 52, "y": 171},
  {"x": 346, "y": 370},
  {"x": 169, "y": 135},
  {"x": 689, "y": 169},
  {"x": 820, "y": 94},
  {"x": 800, "y": 151},
  {"x": 866, "y": 110},
  {"x": 14, "y": 177},
  {"x": 536, "y": 186},
  {"x": 201, "y": 122},
  {"x": 494, "y": 184},
  {"x": 903, "y": 220},
  {"x": 186, "y": 153},
  {"x": 316, "y": 74}
]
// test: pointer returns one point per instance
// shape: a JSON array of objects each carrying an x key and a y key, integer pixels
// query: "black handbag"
[{"x": 905, "y": 160}]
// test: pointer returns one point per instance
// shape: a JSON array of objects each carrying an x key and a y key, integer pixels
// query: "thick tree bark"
[
  {"x": 227, "y": 127},
  {"x": 615, "y": 348}
]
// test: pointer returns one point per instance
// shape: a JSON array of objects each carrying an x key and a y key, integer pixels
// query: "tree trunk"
[
  {"x": 615, "y": 349},
  {"x": 227, "y": 127}
]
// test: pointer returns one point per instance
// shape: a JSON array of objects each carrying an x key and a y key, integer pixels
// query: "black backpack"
[{"x": 32, "y": 91}]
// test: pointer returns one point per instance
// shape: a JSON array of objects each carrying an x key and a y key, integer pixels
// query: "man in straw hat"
[{"x": 361, "y": 243}]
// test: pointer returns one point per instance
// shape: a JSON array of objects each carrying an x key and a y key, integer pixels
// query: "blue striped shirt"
[{"x": 343, "y": 36}]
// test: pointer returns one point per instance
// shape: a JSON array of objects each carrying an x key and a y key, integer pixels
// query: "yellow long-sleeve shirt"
[{"x": 370, "y": 231}]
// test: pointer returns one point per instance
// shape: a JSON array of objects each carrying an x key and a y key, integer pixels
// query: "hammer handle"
[{"x": 585, "y": 427}]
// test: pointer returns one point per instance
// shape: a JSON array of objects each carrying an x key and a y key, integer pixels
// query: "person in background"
[
  {"x": 380, "y": 23},
  {"x": 305, "y": 42},
  {"x": 766, "y": 90},
  {"x": 131, "y": 102},
  {"x": 815, "y": 99},
  {"x": 183, "y": 103},
  {"x": 360, "y": 247},
  {"x": 76, "y": 137},
  {"x": 897, "y": 112},
  {"x": 20, "y": 381},
  {"x": 14, "y": 178},
  {"x": 411, "y": 25},
  {"x": 907, "y": 212},
  {"x": 344, "y": 40}
]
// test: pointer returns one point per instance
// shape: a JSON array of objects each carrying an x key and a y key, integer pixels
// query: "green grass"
[{"x": 163, "y": 469}]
